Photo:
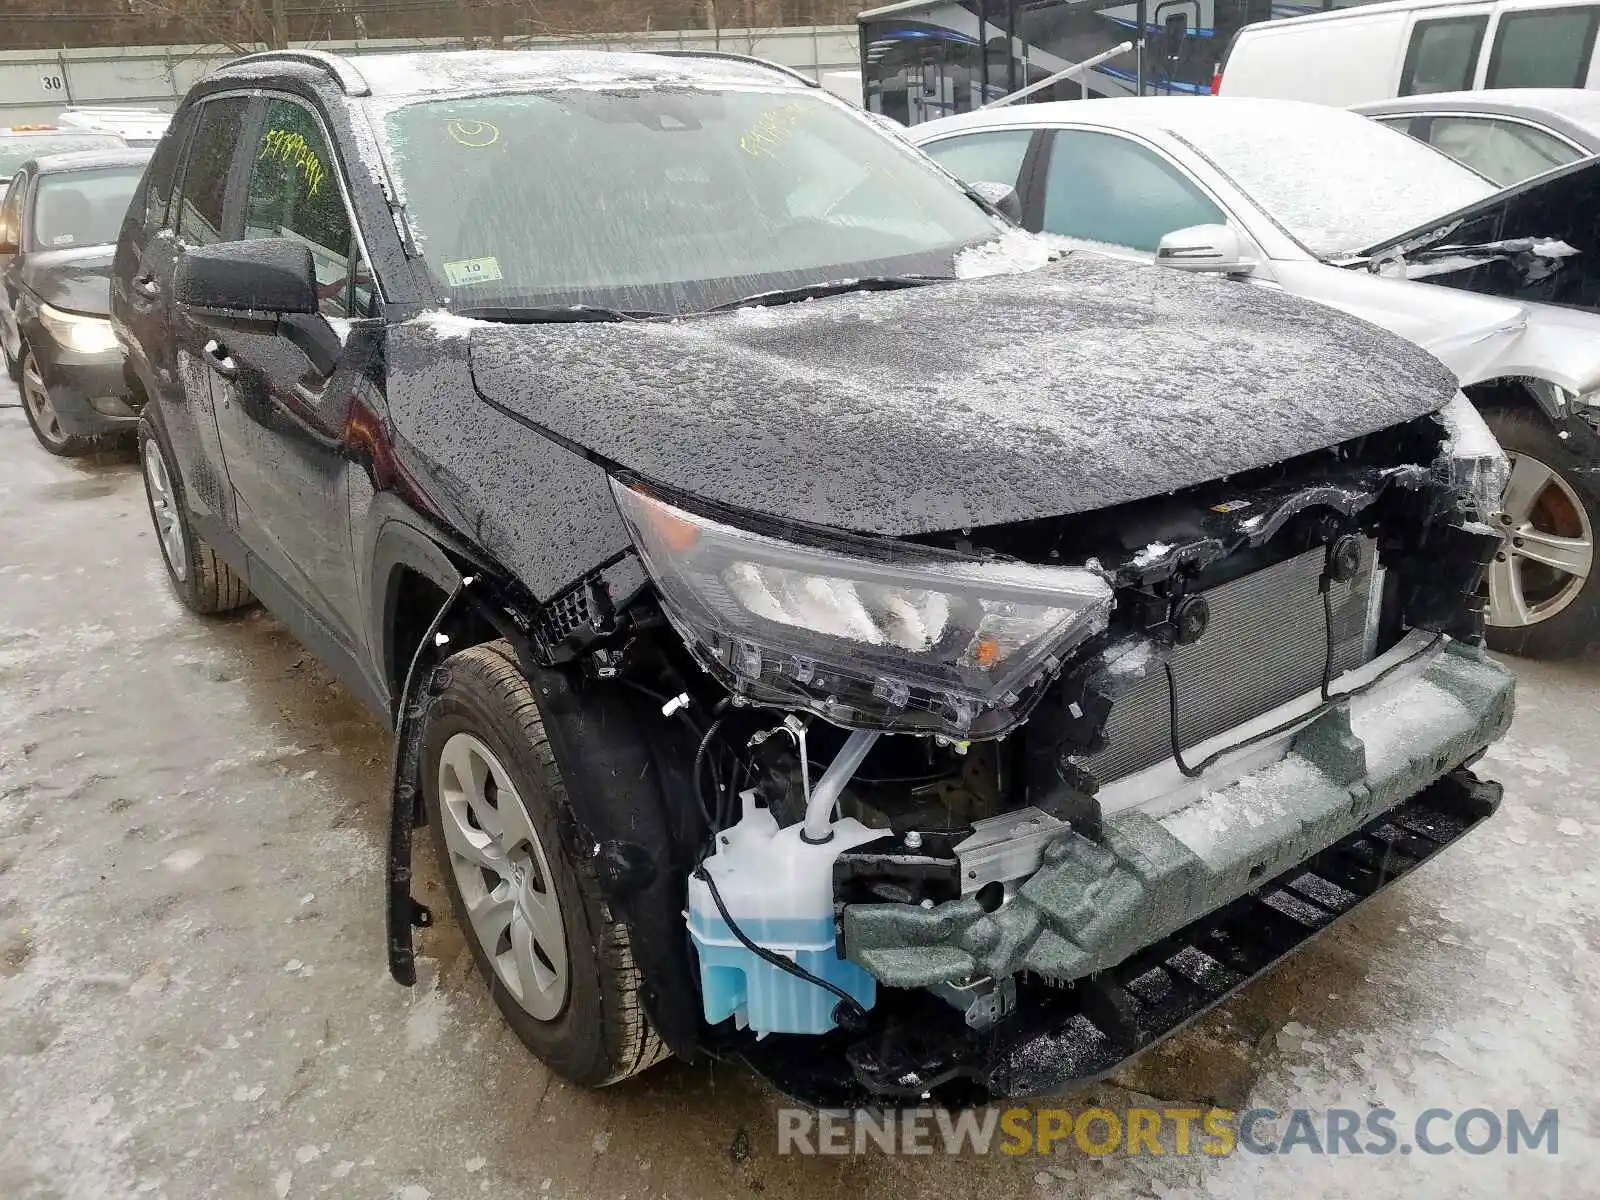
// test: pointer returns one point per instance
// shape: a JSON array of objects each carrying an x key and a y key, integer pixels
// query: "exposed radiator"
[{"x": 1265, "y": 645}]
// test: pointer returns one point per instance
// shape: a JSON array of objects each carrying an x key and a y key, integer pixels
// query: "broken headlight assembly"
[{"x": 865, "y": 634}]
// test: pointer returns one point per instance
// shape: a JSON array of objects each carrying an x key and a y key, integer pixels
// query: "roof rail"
[
  {"x": 342, "y": 69},
  {"x": 748, "y": 59}
]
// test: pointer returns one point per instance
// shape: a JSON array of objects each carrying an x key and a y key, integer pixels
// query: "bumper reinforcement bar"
[{"x": 1065, "y": 1036}]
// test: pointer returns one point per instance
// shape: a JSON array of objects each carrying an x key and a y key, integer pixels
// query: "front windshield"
[
  {"x": 19, "y": 148},
  {"x": 665, "y": 200},
  {"x": 1337, "y": 182},
  {"x": 82, "y": 208}
]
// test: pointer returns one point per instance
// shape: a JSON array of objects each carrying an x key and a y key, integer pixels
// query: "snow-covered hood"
[{"x": 1085, "y": 384}]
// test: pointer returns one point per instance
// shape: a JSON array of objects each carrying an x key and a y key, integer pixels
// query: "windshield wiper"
[
  {"x": 833, "y": 287},
  {"x": 556, "y": 314}
]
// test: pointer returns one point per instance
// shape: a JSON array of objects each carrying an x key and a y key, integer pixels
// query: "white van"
[{"x": 1409, "y": 47}]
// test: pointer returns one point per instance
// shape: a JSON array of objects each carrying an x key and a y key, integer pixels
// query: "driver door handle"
[{"x": 219, "y": 360}]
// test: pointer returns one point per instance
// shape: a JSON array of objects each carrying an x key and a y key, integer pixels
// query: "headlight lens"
[
  {"x": 866, "y": 635},
  {"x": 86, "y": 335}
]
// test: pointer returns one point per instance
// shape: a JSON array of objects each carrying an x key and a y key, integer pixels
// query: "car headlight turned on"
[
  {"x": 75, "y": 331},
  {"x": 866, "y": 634}
]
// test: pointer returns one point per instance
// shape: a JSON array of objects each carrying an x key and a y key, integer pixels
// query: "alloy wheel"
[
  {"x": 37, "y": 397},
  {"x": 164, "y": 508},
  {"x": 504, "y": 877},
  {"x": 1549, "y": 549}
]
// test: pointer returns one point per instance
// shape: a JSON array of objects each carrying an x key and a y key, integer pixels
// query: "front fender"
[{"x": 539, "y": 509}]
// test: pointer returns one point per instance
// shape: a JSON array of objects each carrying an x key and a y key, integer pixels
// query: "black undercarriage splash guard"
[{"x": 1065, "y": 1037}]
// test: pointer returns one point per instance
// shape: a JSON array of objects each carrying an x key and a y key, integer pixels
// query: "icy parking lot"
[{"x": 194, "y": 1002}]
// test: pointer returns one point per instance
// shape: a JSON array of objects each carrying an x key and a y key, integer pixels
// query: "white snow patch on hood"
[
  {"x": 443, "y": 323},
  {"x": 1014, "y": 252}
]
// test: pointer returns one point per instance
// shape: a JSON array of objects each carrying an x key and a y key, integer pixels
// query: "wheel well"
[
  {"x": 414, "y": 601},
  {"x": 1504, "y": 393},
  {"x": 138, "y": 397}
]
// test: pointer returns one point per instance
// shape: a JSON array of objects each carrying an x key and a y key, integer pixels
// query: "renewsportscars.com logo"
[{"x": 1173, "y": 1131}]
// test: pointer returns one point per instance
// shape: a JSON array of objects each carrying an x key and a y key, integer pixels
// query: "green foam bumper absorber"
[{"x": 1092, "y": 904}]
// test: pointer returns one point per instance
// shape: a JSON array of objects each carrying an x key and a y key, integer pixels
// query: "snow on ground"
[{"x": 193, "y": 1001}]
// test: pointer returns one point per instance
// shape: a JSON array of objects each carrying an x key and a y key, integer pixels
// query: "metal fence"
[{"x": 35, "y": 85}]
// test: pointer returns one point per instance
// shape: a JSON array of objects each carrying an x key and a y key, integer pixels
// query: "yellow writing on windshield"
[
  {"x": 290, "y": 147},
  {"x": 771, "y": 129},
  {"x": 473, "y": 134}
]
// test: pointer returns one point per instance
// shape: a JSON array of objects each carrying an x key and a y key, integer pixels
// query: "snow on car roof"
[
  {"x": 90, "y": 160},
  {"x": 443, "y": 72},
  {"x": 1333, "y": 179},
  {"x": 1126, "y": 112},
  {"x": 1580, "y": 106}
]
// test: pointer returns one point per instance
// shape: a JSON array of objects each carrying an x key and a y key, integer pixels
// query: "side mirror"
[
  {"x": 1213, "y": 249},
  {"x": 1002, "y": 196},
  {"x": 271, "y": 276}
]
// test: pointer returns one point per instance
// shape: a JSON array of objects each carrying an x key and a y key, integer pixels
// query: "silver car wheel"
[
  {"x": 37, "y": 397},
  {"x": 164, "y": 508},
  {"x": 1549, "y": 548},
  {"x": 503, "y": 874}
]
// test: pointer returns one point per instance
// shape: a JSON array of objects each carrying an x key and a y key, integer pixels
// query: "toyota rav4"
[{"x": 822, "y": 627}]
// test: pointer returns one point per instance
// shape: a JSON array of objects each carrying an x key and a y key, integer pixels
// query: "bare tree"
[
  {"x": 245, "y": 25},
  {"x": 242, "y": 26}
]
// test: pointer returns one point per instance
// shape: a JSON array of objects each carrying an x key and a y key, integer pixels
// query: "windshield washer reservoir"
[{"x": 778, "y": 888}]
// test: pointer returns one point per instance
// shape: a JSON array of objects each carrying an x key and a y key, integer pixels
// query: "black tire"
[
  {"x": 63, "y": 445},
  {"x": 1572, "y": 626},
  {"x": 202, "y": 580},
  {"x": 600, "y": 1035}
]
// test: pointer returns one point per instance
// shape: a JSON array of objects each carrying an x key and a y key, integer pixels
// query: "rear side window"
[
  {"x": 1443, "y": 55},
  {"x": 1543, "y": 49},
  {"x": 1506, "y": 152},
  {"x": 205, "y": 178},
  {"x": 993, "y": 157},
  {"x": 163, "y": 172},
  {"x": 1401, "y": 124}
]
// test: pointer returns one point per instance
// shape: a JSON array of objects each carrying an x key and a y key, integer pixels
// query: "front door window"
[
  {"x": 1103, "y": 188},
  {"x": 294, "y": 193}
]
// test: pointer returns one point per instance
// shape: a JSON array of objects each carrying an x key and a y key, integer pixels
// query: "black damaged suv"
[{"x": 821, "y": 626}]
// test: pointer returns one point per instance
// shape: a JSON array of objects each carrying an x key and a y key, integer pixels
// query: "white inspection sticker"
[{"x": 472, "y": 270}]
